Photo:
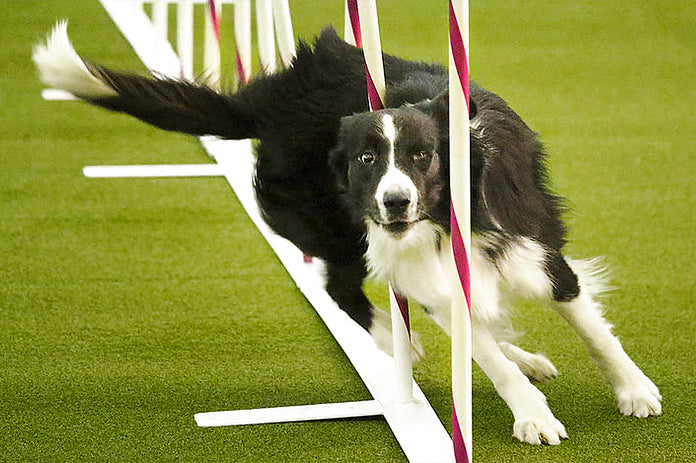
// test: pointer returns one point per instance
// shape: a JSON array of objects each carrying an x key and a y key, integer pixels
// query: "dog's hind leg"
[{"x": 635, "y": 392}]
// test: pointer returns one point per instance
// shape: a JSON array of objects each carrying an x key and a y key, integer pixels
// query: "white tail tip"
[{"x": 61, "y": 67}]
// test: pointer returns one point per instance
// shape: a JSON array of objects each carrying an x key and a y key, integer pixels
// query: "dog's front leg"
[{"x": 534, "y": 422}]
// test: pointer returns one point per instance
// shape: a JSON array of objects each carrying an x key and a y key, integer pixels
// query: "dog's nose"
[{"x": 397, "y": 202}]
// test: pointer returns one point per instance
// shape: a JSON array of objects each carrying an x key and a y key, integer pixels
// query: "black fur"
[{"x": 298, "y": 114}]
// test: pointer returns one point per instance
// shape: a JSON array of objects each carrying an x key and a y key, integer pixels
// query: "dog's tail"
[{"x": 166, "y": 103}]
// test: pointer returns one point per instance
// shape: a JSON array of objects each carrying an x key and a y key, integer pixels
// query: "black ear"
[
  {"x": 338, "y": 161},
  {"x": 339, "y": 166},
  {"x": 338, "y": 156}
]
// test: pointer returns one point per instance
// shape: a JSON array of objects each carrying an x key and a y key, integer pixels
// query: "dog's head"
[{"x": 393, "y": 164}]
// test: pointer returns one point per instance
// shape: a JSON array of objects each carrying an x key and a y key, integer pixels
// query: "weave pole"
[
  {"x": 362, "y": 29},
  {"x": 242, "y": 37},
  {"x": 284, "y": 32},
  {"x": 184, "y": 37},
  {"x": 211, "y": 50},
  {"x": 159, "y": 19},
  {"x": 266, "y": 42},
  {"x": 461, "y": 228}
]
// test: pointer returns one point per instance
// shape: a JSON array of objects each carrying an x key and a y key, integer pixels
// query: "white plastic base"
[{"x": 289, "y": 414}]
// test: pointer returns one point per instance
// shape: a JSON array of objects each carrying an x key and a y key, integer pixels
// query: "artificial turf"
[{"x": 126, "y": 306}]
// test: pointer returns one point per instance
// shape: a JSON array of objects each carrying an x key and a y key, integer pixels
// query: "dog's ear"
[
  {"x": 339, "y": 166},
  {"x": 338, "y": 156},
  {"x": 439, "y": 107},
  {"x": 338, "y": 161}
]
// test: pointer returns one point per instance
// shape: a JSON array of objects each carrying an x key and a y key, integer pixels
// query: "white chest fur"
[{"x": 417, "y": 264}]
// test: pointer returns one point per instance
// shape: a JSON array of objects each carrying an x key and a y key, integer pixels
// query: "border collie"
[{"x": 368, "y": 193}]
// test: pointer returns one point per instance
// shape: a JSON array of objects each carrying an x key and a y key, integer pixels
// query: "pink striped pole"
[
  {"x": 364, "y": 31},
  {"x": 211, "y": 51},
  {"x": 211, "y": 55},
  {"x": 242, "y": 35},
  {"x": 352, "y": 24},
  {"x": 461, "y": 228},
  {"x": 365, "y": 27}
]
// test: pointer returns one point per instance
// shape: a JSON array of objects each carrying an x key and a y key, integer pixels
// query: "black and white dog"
[{"x": 368, "y": 193}]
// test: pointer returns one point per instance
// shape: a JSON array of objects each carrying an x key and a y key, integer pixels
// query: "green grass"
[{"x": 126, "y": 306}]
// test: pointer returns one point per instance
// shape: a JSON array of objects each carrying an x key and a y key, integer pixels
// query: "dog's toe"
[
  {"x": 539, "y": 368},
  {"x": 534, "y": 366},
  {"x": 548, "y": 431},
  {"x": 639, "y": 398}
]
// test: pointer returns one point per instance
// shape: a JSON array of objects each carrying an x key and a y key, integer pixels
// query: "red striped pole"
[
  {"x": 461, "y": 228},
  {"x": 362, "y": 15},
  {"x": 352, "y": 29},
  {"x": 242, "y": 16},
  {"x": 211, "y": 52},
  {"x": 242, "y": 35}
]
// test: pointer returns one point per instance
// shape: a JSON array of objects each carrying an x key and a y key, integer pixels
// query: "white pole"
[
  {"x": 401, "y": 338},
  {"x": 266, "y": 35},
  {"x": 372, "y": 48},
  {"x": 184, "y": 37},
  {"x": 348, "y": 34},
  {"x": 159, "y": 19},
  {"x": 211, "y": 50},
  {"x": 283, "y": 25},
  {"x": 376, "y": 91},
  {"x": 242, "y": 35},
  {"x": 461, "y": 228}
]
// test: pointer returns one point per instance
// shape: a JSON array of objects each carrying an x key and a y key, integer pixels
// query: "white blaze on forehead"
[
  {"x": 394, "y": 179},
  {"x": 389, "y": 131}
]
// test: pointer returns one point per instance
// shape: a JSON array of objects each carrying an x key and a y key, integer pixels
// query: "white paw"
[
  {"x": 538, "y": 368},
  {"x": 534, "y": 421},
  {"x": 639, "y": 397},
  {"x": 542, "y": 430},
  {"x": 534, "y": 366}
]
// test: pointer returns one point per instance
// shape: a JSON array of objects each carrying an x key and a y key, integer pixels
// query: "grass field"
[{"x": 126, "y": 306}]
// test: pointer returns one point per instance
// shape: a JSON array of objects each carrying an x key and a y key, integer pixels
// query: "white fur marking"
[
  {"x": 394, "y": 180},
  {"x": 522, "y": 268},
  {"x": 389, "y": 131},
  {"x": 485, "y": 294},
  {"x": 416, "y": 264},
  {"x": 61, "y": 67}
]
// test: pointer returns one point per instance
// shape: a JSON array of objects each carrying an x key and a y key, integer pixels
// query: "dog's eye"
[
  {"x": 367, "y": 158},
  {"x": 420, "y": 155}
]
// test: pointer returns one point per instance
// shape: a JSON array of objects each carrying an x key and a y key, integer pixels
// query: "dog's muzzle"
[
  {"x": 397, "y": 211},
  {"x": 396, "y": 205}
]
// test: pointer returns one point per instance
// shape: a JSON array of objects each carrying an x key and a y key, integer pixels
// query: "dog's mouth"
[{"x": 397, "y": 227}]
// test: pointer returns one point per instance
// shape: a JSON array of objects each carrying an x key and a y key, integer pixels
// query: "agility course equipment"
[
  {"x": 396, "y": 396},
  {"x": 460, "y": 223},
  {"x": 362, "y": 30}
]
